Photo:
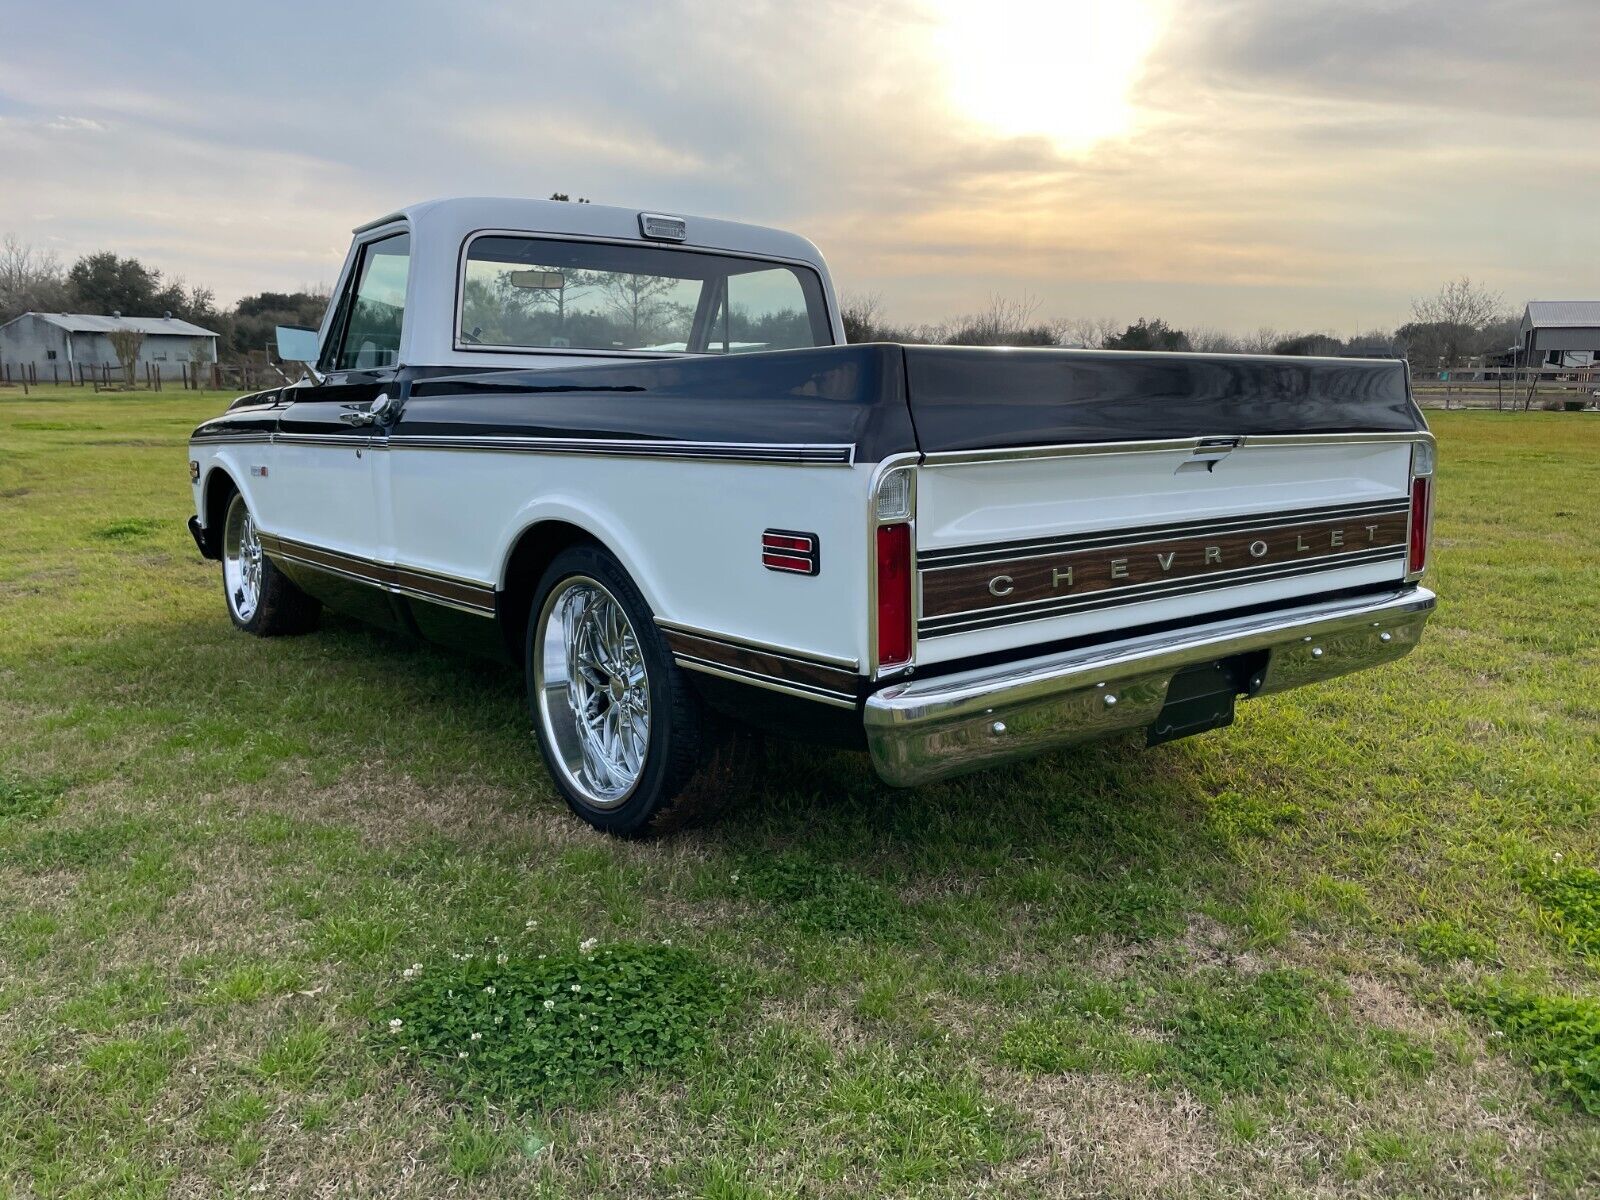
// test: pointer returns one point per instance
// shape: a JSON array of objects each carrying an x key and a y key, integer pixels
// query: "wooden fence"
[
  {"x": 1508, "y": 388},
  {"x": 150, "y": 376}
]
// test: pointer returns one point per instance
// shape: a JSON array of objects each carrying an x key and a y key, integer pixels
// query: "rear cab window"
[{"x": 522, "y": 292}]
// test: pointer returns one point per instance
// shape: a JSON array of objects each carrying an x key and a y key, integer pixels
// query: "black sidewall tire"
[{"x": 671, "y": 756}]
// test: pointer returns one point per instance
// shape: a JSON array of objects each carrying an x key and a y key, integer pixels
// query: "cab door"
[{"x": 324, "y": 482}]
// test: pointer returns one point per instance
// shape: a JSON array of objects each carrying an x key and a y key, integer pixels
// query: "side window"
[
  {"x": 371, "y": 311},
  {"x": 766, "y": 310}
]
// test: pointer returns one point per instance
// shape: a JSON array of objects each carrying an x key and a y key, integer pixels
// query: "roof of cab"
[{"x": 456, "y": 217}]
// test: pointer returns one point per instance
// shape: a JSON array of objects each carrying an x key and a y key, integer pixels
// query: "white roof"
[
  {"x": 439, "y": 230},
  {"x": 1562, "y": 314},
  {"x": 90, "y": 323}
]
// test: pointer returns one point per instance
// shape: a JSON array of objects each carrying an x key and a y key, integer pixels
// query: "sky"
[{"x": 1230, "y": 164}]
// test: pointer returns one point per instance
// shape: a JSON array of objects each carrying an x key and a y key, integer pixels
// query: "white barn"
[{"x": 65, "y": 341}]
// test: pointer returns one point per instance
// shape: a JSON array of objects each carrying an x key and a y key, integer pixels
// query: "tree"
[
  {"x": 1308, "y": 344},
  {"x": 126, "y": 344},
  {"x": 108, "y": 283},
  {"x": 30, "y": 280},
  {"x": 1152, "y": 335},
  {"x": 1456, "y": 315},
  {"x": 253, "y": 323},
  {"x": 199, "y": 356},
  {"x": 1005, "y": 322},
  {"x": 1084, "y": 333},
  {"x": 564, "y": 196}
]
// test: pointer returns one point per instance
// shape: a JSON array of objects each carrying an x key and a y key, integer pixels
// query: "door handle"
[{"x": 381, "y": 409}]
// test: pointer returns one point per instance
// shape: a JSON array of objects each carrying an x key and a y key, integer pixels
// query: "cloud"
[{"x": 1311, "y": 163}]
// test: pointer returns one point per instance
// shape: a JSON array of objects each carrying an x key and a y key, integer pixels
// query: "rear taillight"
[
  {"x": 1421, "y": 509},
  {"x": 1417, "y": 556},
  {"x": 894, "y": 594}
]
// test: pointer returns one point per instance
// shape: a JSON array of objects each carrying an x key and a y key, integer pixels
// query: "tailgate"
[{"x": 1067, "y": 494}]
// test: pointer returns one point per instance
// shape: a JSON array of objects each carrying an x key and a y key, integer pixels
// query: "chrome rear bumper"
[{"x": 931, "y": 728}]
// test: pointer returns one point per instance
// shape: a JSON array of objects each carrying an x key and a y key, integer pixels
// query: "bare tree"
[
  {"x": 1089, "y": 333},
  {"x": 199, "y": 356},
  {"x": 862, "y": 314},
  {"x": 126, "y": 344},
  {"x": 1261, "y": 341},
  {"x": 1213, "y": 341},
  {"x": 1458, "y": 312},
  {"x": 31, "y": 280}
]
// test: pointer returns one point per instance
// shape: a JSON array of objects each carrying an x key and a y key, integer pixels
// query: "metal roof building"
[
  {"x": 1561, "y": 333},
  {"x": 83, "y": 339}
]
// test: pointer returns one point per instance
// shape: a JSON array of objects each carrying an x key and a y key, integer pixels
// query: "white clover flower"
[
  {"x": 549, "y": 1004},
  {"x": 477, "y": 1037},
  {"x": 497, "y": 1020},
  {"x": 489, "y": 990},
  {"x": 666, "y": 941},
  {"x": 587, "y": 945},
  {"x": 417, "y": 967},
  {"x": 735, "y": 877},
  {"x": 502, "y": 959},
  {"x": 594, "y": 1029},
  {"x": 541, "y": 958},
  {"x": 394, "y": 1025},
  {"x": 462, "y": 1054},
  {"x": 576, "y": 988},
  {"x": 531, "y": 925}
]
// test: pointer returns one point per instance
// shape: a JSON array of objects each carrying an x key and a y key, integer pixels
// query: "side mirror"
[{"x": 297, "y": 344}]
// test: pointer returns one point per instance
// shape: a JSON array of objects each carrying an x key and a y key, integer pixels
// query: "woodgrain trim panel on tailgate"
[{"x": 978, "y": 587}]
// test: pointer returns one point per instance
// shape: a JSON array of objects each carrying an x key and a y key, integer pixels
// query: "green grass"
[{"x": 1347, "y": 946}]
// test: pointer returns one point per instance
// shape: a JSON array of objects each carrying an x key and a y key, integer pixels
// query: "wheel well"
[
  {"x": 219, "y": 486},
  {"x": 536, "y": 548}
]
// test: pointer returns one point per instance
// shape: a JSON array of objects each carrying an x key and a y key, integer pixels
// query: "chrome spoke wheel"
[
  {"x": 593, "y": 690},
  {"x": 241, "y": 560}
]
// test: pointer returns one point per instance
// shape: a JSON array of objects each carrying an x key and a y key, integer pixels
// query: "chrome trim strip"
[
  {"x": 1036, "y": 610},
  {"x": 966, "y": 556},
  {"x": 939, "y": 458},
  {"x": 777, "y": 452},
  {"x": 838, "y": 699},
  {"x": 932, "y": 728},
  {"x": 808, "y": 657},
  {"x": 323, "y": 439},
  {"x": 214, "y": 439}
]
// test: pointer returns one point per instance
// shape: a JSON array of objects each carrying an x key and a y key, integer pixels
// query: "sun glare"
[{"x": 1062, "y": 69}]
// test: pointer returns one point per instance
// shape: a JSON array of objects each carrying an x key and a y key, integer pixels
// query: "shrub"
[{"x": 557, "y": 1028}]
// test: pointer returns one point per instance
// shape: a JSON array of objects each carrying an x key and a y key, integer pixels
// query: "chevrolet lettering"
[{"x": 608, "y": 447}]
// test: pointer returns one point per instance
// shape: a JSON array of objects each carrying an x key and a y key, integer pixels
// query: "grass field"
[{"x": 1350, "y": 946}]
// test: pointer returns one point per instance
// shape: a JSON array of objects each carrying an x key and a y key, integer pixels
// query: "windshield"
[{"x": 543, "y": 293}]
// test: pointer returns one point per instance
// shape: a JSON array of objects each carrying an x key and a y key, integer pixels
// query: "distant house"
[
  {"x": 1561, "y": 333},
  {"x": 70, "y": 340}
]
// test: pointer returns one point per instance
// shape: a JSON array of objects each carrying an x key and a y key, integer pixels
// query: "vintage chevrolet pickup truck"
[{"x": 633, "y": 453}]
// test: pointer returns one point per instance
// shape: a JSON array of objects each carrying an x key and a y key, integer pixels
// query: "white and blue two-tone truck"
[{"x": 632, "y": 453}]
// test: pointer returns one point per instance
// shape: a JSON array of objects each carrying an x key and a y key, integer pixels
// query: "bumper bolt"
[
  {"x": 1316, "y": 652},
  {"x": 998, "y": 727},
  {"x": 1386, "y": 637},
  {"x": 1110, "y": 700}
]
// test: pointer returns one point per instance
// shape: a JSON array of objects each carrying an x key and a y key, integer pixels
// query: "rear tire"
[
  {"x": 629, "y": 744},
  {"x": 261, "y": 599}
]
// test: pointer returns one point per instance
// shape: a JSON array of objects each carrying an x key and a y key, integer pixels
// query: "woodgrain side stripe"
[
  {"x": 760, "y": 665},
  {"x": 475, "y": 597}
]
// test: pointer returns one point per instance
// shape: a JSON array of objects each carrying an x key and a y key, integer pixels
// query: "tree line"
[
  {"x": 1461, "y": 320},
  {"x": 32, "y": 280}
]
